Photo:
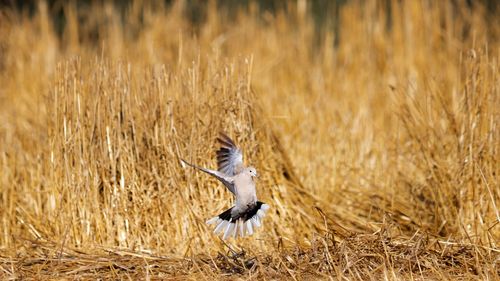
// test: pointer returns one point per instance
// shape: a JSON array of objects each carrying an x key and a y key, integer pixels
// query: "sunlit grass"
[{"x": 379, "y": 156}]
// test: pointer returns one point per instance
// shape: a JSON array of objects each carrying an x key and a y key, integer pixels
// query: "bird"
[{"x": 247, "y": 212}]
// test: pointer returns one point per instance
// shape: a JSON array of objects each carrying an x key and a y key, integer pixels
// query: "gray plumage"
[{"x": 247, "y": 212}]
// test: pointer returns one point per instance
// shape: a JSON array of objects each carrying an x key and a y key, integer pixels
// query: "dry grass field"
[{"x": 375, "y": 133}]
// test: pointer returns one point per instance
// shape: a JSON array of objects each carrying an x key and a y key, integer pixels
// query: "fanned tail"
[{"x": 241, "y": 224}]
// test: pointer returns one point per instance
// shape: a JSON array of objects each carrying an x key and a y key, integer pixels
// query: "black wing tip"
[
  {"x": 223, "y": 151},
  {"x": 224, "y": 139},
  {"x": 222, "y": 155},
  {"x": 223, "y": 135}
]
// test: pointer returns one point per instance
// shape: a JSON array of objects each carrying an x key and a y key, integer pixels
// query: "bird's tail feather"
[{"x": 241, "y": 224}]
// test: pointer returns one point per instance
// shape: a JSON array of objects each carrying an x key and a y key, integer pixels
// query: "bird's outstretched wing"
[
  {"x": 225, "y": 179},
  {"x": 229, "y": 156}
]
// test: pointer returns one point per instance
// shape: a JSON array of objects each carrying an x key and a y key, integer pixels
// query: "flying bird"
[{"x": 247, "y": 213}]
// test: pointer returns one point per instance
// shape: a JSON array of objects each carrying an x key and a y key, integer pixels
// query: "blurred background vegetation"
[{"x": 324, "y": 12}]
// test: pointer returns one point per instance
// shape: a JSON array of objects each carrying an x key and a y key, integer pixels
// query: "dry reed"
[{"x": 379, "y": 155}]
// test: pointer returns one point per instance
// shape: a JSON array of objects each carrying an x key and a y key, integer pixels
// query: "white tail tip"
[
  {"x": 239, "y": 224},
  {"x": 213, "y": 220}
]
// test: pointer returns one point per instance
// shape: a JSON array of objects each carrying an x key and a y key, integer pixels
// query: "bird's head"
[{"x": 252, "y": 172}]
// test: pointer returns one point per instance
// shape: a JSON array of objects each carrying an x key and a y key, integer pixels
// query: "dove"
[{"x": 247, "y": 213}]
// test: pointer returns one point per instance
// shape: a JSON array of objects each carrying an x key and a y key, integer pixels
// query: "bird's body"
[
  {"x": 245, "y": 190},
  {"x": 247, "y": 212}
]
